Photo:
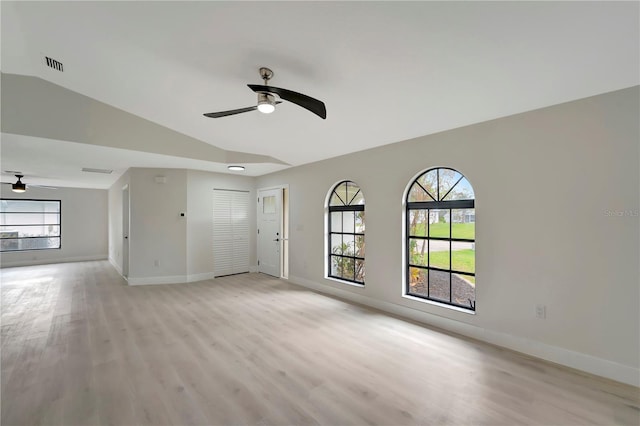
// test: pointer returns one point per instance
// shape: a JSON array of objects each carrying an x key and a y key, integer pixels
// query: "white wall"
[
  {"x": 157, "y": 237},
  {"x": 84, "y": 226},
  {"x": 200, "y": 186},
  {"x": 115, "y": 221},
  {"x": 182, "y": 246},
  {"x": 550, "y": 185}
]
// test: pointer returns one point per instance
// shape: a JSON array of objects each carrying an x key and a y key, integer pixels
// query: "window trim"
[
  {"x": 53, "y": 224},
  {"x": 434, "y": 205},
  {"x": 342, "y": 208}
]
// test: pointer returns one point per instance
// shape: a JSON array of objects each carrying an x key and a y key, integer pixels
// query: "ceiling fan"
[
  {"x": 19, "y": 186},
  {"x": 269, "y": 97}
]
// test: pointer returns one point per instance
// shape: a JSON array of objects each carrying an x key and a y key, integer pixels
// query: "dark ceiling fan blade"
[
  {"x": 315, "y": 106},
  {"x": 41, "y": 186},
  {"x": 230, "y": 112}
]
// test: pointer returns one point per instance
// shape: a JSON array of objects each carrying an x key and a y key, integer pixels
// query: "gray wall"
[
  {"x": 84, "y": 226},
  {"x": 556, "y": 205}
]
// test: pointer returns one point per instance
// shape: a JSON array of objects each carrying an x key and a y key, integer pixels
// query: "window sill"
[
  {"x": 345, "y": 282},
  {"x": 442, "y": 305}
]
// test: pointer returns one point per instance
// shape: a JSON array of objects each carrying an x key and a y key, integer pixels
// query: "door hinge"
[
  {"x": 258, "y": 263},
  {"x": 258, "y": 231}
]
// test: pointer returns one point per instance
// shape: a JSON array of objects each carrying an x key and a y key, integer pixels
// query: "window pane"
[
  {"x": 439, "y": 285},
  {"x": 348, "y": 244},
  {"x": 269, "y": 204},
  {"x": 29, "y": 218},
  {"x": 418, "y": 194},
  {"x": 359, "y": 222},
  {"x": 12, "y": 231},
  {"x": 336, "y": 221},
  {"x": 341, "y": 191},
  {"x": 463, "y": 225},
  {"x": 418, "y": 281},
  {"x": 336, "y": 266},
  {"x": 429, "y": 182},
  {"x": 464, "y": 291},
  {"x": 336, "y": 243},
  {"x": 352, "y": 192},
  {"x": 439, "y": 254},
  {"x": 439, "y": 223},
  {"x": 418, "y": 252},
  {"x": 448, "y": 179},
  {"x": 358, "y": 199},
  {"x": 417, "y": 223},
  {"x": 359, "y": 246},
  {"x": 462, "y": 191},
  {"x": 8, "y": 244},
  {"x": 348, "y": 268},
  {"x": 463, "y": 257},
  {"x": 335, "y": 200},
  {"x": 348, "y": 221},
  {"x": 36, "y": 206},
  {"x": 359, "y": 272}
]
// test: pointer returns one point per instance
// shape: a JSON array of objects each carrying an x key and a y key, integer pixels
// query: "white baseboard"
[
  {"x": 170, "y": 279},
  {"x": 167, "y": 279},
  {"x": 579, "y": 361},
  {"x": 32, "y": 262},
  {"x": 200, "y": 277},
  {"x": 115, "y": 265}
]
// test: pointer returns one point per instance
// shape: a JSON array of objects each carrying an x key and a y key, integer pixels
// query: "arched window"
[
  {"x": 345, "y": 256},
  {"x": 440, "y": 238}
]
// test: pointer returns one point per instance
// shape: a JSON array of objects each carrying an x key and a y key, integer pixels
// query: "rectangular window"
[{"x": 29, "y": 224}]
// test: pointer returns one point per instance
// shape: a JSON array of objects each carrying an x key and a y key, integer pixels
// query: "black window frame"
[
  {"x": 347, "y": 207},
  {"x": 436, "y": 204},
  {"x": 59, "y": 224}
]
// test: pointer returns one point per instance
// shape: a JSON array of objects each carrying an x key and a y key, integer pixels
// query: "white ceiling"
[{"x": 387, "y": 71}]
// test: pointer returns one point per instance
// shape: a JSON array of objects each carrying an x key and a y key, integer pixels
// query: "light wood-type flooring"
[{"x": 80, "y": 347}]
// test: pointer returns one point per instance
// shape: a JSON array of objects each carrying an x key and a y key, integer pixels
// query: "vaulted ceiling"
[{"x": 387, "y": 71}]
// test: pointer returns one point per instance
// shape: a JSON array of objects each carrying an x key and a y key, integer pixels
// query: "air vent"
[
  {"x": 89, "y": 170},
  {"x": 52, "y": 63}
]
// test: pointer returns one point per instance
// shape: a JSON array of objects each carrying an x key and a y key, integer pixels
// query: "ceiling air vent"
[
  {"x": 105, "y": 171},
  {"x": 52, "y": 63}
]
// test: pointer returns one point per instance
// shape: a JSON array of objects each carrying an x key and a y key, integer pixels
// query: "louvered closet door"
[{"x": 230, "y": 232}]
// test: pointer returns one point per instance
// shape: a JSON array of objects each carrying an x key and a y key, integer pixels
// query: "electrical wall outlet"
[{"x": 541, "y": 311}]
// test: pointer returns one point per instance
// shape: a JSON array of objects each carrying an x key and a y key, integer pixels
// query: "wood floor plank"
[{"x": 81, "y": 347}]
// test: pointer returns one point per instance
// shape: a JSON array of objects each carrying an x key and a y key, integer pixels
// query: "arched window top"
[
  {"x": 440, "y": 184},
  {"x": 346, "y": 193}
]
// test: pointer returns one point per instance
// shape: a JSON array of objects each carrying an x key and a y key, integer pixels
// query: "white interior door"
[
  {"x": 125, "y": 231},
  {"x": 269, "y": 231},
  {"x": 230, "y": 232}
]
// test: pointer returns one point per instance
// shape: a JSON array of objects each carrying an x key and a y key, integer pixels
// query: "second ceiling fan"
[{"x": 269, "y": 97}]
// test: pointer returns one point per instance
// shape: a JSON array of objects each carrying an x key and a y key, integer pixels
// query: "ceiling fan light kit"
[
  {"x": 266, "y": 103},
  {"x": 269, "y": 97},
  {"x": 19, "y": 186}
]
